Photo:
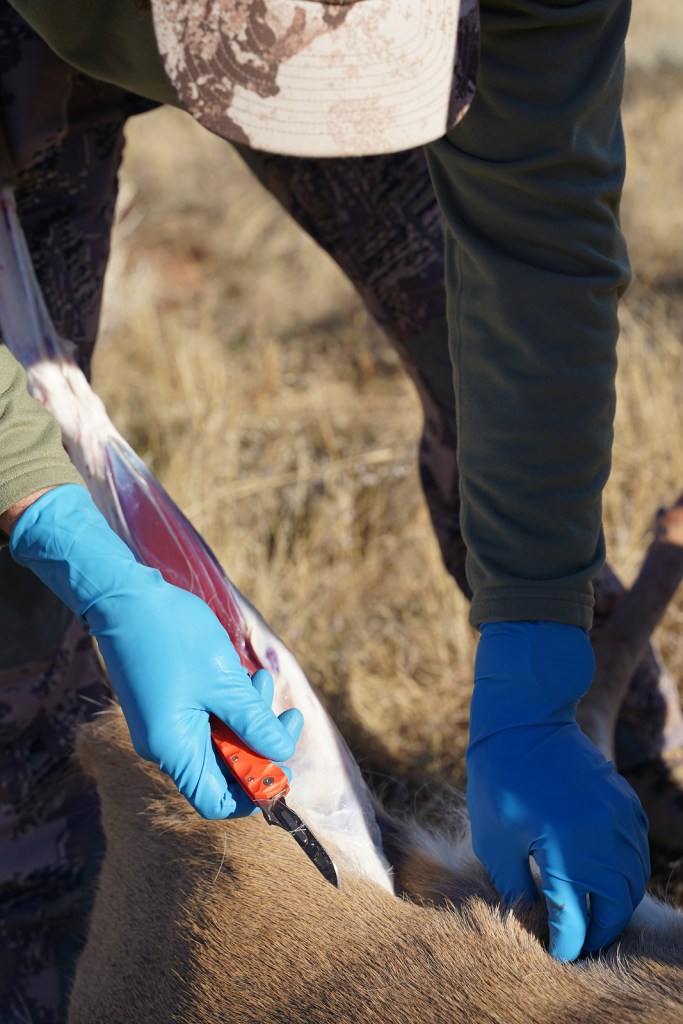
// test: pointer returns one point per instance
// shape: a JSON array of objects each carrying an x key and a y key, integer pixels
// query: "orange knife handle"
[{"x": 260, "y": 778}]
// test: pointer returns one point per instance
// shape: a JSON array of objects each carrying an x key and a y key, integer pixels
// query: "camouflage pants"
[
  {"x": 49, "y": 826},
  {"x": 378, "y": 218}
]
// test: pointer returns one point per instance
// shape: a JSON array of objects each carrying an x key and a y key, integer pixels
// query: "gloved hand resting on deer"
[{"x": 538, "y": 787}]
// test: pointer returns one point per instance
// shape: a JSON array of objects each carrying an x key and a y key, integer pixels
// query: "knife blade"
[{"x": 266, "y": 785}]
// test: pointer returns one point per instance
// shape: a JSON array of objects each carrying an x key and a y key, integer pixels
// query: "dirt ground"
[{"x": 240, "y": 363}]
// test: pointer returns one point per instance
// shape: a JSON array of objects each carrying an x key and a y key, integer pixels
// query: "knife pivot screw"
[
  {"x": 250, "y": 778},
  {"x": 269, "y": 781},
  {"x": 234, "y": 757}
]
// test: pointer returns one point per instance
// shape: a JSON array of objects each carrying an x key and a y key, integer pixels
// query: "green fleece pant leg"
[{"x": 529, "y": 183}]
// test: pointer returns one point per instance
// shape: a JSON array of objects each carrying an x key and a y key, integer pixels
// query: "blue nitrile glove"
[
  {"x": 168, "y": 657},
  {"x": 538, "y": 787}
]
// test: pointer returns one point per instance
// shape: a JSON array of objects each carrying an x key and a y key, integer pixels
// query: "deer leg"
[
  {"x": 628, "y": 669},
  {"x": 636, "y": 709},
  {"x": 632, "y": 710}
]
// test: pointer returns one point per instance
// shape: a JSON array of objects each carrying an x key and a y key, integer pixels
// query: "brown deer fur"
[{"x": 212, "y": 922}]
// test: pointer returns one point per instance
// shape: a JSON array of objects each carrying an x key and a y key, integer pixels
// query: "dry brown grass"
[{"x": 239, "y": 361}]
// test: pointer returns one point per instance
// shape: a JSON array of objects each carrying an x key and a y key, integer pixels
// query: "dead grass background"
[{"x": 239, "y": 362}]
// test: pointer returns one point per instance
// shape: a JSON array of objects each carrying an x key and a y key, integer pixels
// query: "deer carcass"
[{"x": 206, "y": 922}]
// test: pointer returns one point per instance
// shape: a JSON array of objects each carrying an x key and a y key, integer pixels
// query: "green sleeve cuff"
[{"x": 31, "y": 452}]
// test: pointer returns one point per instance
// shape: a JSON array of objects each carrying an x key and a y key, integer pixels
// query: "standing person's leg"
[
  {"x": 378, "y": 218},
  {"x": 65, "y": 137}
]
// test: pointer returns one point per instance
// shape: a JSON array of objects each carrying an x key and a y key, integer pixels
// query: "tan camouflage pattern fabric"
[{"x": 321, "y": 78}]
